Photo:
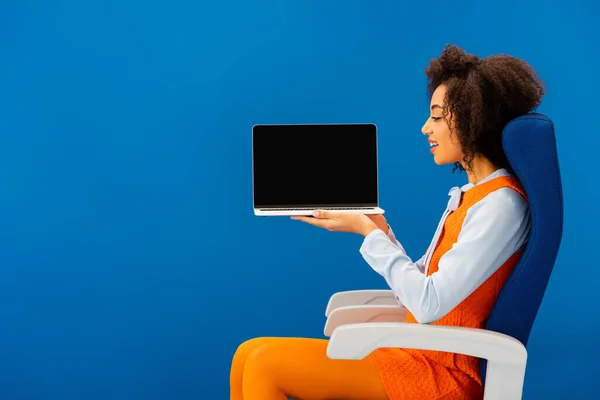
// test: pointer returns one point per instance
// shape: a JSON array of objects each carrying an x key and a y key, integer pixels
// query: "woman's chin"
[{"x": 439, "y": 160}]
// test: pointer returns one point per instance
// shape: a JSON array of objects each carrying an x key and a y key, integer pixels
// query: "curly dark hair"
[{"x": 482, "y": 96}]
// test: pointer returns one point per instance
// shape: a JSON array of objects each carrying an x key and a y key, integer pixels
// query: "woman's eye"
[{"x": 436, "y": 118}]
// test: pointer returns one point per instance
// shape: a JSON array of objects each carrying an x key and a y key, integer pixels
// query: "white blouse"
[{"x": 493, "y": 230}]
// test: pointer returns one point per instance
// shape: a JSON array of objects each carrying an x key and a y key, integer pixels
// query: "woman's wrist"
[{"x": 368, "y": 227}]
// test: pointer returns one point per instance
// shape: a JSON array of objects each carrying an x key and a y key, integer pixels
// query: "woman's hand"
[
  {"x": 340, "y": 221},
  {"x": 380, "y": 221}
]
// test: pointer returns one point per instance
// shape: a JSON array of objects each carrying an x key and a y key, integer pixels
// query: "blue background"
[{"x": 131, "y": 263}]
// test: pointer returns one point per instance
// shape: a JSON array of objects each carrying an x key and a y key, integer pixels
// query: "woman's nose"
[{"x": 425, "y": 129}]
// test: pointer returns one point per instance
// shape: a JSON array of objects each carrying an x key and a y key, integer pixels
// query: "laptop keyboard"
[{"x": 321, "y": 208}]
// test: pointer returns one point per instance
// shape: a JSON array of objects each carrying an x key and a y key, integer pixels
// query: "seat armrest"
[
  {"x": 358, "y": 314},
  {"x": 506, "y": 356},
  {"x": 359, "y": 298}
]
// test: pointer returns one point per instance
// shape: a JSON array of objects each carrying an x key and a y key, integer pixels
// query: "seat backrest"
[{"x": 530, "y": 145}]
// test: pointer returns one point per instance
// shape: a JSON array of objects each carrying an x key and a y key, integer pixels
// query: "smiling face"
[{"x": 445, "y": 145}]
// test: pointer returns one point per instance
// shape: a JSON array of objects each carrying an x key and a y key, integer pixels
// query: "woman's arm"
[
  {"x": 494, "y": 229},
  {"x": 419, "y": 263}
]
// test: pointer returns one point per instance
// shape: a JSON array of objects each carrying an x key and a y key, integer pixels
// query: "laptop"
[{"x": 299, "y": 168}]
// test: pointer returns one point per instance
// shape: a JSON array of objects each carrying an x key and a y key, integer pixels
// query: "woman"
[{"x": 477, "y": 244}]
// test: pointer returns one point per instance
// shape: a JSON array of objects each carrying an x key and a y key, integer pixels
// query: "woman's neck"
[{"x": 481, "y": 169}]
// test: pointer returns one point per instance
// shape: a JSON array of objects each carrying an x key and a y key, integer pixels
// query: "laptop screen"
[{"x": 315, "y": 165}]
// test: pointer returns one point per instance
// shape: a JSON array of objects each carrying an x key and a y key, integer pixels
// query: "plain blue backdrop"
[{"x": 131, "y": 263}]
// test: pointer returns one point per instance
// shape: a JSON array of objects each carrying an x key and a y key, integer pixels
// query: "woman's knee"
[
  {"x": 248, "y": 346},
  {"x": 262, "y": 362},
  {"x": 277, "y": 359}
]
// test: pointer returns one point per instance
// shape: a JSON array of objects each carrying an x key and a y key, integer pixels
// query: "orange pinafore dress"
[{"x": 428, "y": 375}]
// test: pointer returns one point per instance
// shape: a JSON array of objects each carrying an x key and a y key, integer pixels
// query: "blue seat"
[
  {"x": 530, "y": 145},
  {"x": 361, "y": 321}
]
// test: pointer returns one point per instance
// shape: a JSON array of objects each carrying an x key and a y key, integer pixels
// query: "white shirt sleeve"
[
  {"x": 493, "y": 230},
  {"x": 419, "y": 263}
]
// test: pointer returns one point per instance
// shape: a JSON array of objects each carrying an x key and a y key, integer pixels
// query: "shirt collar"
[
  {"x": 456, "y": 192},
  {"x": 498, "y": 173}
]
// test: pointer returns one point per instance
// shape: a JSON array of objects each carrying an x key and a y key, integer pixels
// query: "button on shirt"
[{"x": 493, "y": 230}]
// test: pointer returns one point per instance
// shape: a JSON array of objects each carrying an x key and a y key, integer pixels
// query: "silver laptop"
[{"x": 299, "y": 168}]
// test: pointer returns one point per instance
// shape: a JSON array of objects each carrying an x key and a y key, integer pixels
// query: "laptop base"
[{"x": 286, "y": 212}]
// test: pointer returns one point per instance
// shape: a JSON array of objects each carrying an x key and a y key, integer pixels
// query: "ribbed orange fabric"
[{"x": 421, "y": 374}]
